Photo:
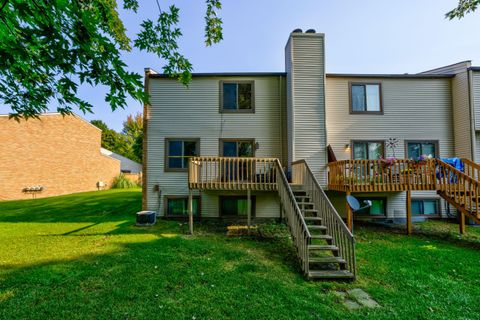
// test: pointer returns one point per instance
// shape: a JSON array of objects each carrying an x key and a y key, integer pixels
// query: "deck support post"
[
  {"x": 462, "y": 223},
  {"x": 249, "y": 209},
  {"x": 190, "y": 211},
  {"x": 409, "y": 212},
  {"x": 349, "y": 215}
]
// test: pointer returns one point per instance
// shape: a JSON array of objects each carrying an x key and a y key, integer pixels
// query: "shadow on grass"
[
  {"x": 444, "y": 231},
  {"x": 110, "y": 205},
  {"x": 174, "y": 276}
]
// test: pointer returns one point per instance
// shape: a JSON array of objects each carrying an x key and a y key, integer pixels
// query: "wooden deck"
[
  {"x": 224, "y": 173},
  {"x": 381, "y": 176}
]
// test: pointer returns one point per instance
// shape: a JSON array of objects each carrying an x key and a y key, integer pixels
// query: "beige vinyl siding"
[
  {"x": 306, "y": 74},
  {"x": 476, "y": 99},
  {"x": 193, "y": 112},
  {"x": 414, "y": 109},
  {"x": 462, "y": 121}
]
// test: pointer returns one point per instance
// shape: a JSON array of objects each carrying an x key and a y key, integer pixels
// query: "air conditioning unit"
[{"x": 146, "y": 218}]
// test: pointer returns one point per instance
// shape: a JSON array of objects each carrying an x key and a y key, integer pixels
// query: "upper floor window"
[
  {"x": 178, "y": 151},
  {"x": 367, "y": 150},
  {"x": 237, "y": 96},
  {"x": 415, "y": 149},
  {"x": 366, "y": 98}
]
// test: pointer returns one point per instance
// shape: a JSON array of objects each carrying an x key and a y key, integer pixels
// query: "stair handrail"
[
  {"x": 472, "y": 169},
  {"x": 455, "y": 184},
  {"x": 301, "y": 236},
  {"x": 342, "y": 236}
]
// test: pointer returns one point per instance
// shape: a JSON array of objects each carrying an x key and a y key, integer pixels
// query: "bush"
[{"x": 122, "y": 182}]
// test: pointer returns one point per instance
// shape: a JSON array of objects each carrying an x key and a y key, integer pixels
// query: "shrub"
[{"x": 122, "y": 182}]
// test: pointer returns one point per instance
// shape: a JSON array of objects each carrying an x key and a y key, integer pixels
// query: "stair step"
[
  {"x": 316, "y": 227},
  {"x": 301, "y": 197},
  {"x": 327, "y": 260},
  {"x": 322, "y": 237},
  {"x": 300, "y": 203},
  {"x": 330, "y": 274},
  {"x": 310, "y": 210},
  {"x": 312, "y": 218},
  {"x": 322, "y": 247}
]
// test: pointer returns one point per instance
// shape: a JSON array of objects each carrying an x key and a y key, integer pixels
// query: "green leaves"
[
  {"x": 50, "y": 48},
  {"x": 213, "y": 24},
  {"x": 161, "y": 38},
  {"x": 464, "y": 7}
]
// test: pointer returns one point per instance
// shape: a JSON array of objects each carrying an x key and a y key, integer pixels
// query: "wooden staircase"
[
  {"x": 460, "y": 189},
  {"x": 324, "y": 258},
  {"x": 324, "y": 244}
]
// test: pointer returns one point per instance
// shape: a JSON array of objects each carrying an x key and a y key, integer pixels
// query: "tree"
[
  {"x": 111, "y": 139},
  {"x": 50, "y": 48},
  {"x": 133, "y": 131},
  {"x": 129, "y": 142},
  {"x": 464, "y": 7}
]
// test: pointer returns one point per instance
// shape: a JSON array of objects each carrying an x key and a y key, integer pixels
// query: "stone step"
[{"x": 330, "y": 274}]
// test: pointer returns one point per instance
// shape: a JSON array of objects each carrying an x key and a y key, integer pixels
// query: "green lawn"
[{"x": 79, "y": 256}]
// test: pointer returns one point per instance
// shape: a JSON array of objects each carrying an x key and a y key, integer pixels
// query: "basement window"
[
  {"x": 237, "y": 96},
  {"x": 177, "y": 206},
  {"x": 235, "y": 206},
  {"x": 377, "y": 209},
  {"x": 425, "y": 207},
  {"x": 366, "y": 98}
]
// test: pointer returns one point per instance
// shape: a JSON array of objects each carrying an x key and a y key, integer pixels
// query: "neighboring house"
[
  {"x": 126, "y": 165},
  {"x": 50, "y": 156},
  {"x": 227, "y": 138}
]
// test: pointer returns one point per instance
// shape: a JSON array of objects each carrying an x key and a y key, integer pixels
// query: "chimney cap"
[
  {"x": 298, "y": 30},
  {"x": 310, "y": 31}
]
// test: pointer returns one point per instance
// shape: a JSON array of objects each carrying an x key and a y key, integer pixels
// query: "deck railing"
[
  {"x": 459, "y": 188},
  {"x": 301, "y": 236},
  {"x": 381, "y": 175},
  {"x": 472, "y": 169},
  {"x": 342, "y": 237},
  {"x": 228, "y": 173}
]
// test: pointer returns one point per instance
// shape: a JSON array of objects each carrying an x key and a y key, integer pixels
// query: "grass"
[{"x": 80, "y": 256}]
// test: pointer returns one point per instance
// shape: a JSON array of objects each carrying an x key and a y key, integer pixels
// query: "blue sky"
[{"x": 370, "y": 36}]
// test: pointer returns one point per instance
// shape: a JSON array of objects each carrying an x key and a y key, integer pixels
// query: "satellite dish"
[{"x": 355, "y": 205}]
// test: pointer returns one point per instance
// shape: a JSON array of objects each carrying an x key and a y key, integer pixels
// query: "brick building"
[{"x": 60, "y": 154}]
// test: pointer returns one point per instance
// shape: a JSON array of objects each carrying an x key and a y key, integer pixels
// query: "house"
[
  {"x": 293, "y": 144},
  {"x": 50, "y": 156},
  {"x": 126, "y": 165}
]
